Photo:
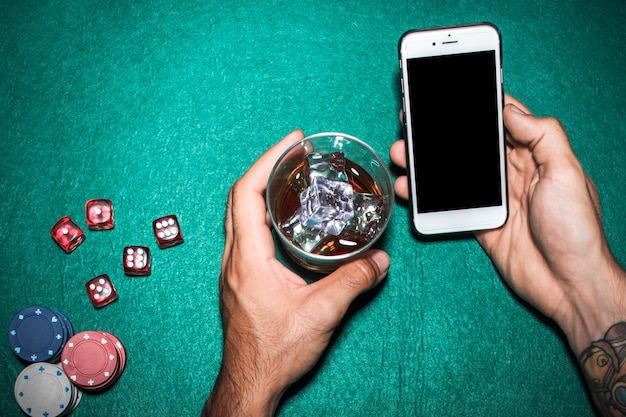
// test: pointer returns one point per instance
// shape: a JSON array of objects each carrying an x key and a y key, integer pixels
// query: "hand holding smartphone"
[{"x": 452, "y": 103}]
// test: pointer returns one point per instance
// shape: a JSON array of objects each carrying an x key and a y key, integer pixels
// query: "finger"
[
  {"x": 228, "y": 242},
  {"x": 334, "y": 294},
  {"x": 397, "y": 153},
  {"x": 512, "y": 100},
  {"x": 401, "y": 187},
  {"x": 544, "y": 136},
  {"x": 228, "y": 223},
  {"x": 257, "y": 175},
  {"x": 249, "y": 213}
]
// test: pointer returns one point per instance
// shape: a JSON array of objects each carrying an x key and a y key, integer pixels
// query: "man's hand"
[
  {"x": 275, "y": 325},
  {"x": 552, "y": 251}
]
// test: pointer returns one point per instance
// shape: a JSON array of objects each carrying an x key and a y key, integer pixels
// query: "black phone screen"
[{"x": 454, "y": 120}]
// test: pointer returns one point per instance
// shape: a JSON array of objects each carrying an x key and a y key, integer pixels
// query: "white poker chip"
[{"x": 43, "y": 389}]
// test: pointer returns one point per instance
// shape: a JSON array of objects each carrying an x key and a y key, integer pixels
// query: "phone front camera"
[{"x": 434, "y": 43}]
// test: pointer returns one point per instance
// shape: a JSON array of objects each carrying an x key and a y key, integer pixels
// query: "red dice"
[
  {"x": 101, "y": 291},
  {"x": 67, "y": 234},
  {"x": 99, "y": 214},
  {"x": 167, "y": 231},
  {"x": 137, "y": 260}
]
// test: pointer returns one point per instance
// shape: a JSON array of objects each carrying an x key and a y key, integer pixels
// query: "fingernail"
[
  {"x": 516, "y": 109},
  {"x": 382, "y": 261}
]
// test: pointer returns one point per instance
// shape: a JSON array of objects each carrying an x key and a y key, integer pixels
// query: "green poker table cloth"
[{"x": 160, "y": 106}]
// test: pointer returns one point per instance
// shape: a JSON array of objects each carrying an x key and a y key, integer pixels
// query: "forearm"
[
  {"x": 603, "y": 365},
  {"x": 599, "y": 341}
]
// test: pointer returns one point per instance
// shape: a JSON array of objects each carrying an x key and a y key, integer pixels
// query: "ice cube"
[
  {"x": 330, "y": 166},
  {"x": 368, "y": 210},
  {"x": 307, "y": 238},
  {"x": 327, "y": 205}
]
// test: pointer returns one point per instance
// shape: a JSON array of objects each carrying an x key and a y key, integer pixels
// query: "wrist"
[
  {"x": 594, "y": 305},
  {"x": 240, "y": 395},
  {"x": 245, "y": 385}
]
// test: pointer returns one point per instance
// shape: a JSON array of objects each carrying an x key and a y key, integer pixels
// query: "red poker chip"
[
  {"x": 119, "y": 346},
  {"x": 91, "y": 360},
  {"x": 121, "y": 352}
]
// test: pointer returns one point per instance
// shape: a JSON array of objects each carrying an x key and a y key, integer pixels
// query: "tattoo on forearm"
[{"x": 604, "y": 367}]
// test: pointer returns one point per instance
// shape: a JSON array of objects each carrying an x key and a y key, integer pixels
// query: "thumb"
[
  {"x": 545, "y": 136},
  {"x": 337, "y": 291}
]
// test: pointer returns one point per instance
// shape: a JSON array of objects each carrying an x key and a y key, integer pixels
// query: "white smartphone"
[{"x": 452, "y": 102}]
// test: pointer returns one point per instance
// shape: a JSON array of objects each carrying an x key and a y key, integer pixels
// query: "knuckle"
[
  {"x": 235, "y": 189},
  {"x": 553, "y": 125},
  {"x": 235, "y": 201}
]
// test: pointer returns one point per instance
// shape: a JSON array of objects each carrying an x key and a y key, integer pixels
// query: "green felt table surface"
[{"x": 161, "y": 105}]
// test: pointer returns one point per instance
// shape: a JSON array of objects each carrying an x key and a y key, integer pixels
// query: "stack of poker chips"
[
  {"x": 93, "y": 360},
  {"x": 38, "y": 334},
  {"x": 89, "y": 361},
  {"x": 43, "y": 389}
]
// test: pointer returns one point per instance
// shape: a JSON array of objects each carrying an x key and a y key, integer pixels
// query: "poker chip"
[
  {"x": 38, "y": 334},
  {"x": 120, "y": 350},
  {"x": 43, "y": 389},
  {"x": 93, "y": 360}
]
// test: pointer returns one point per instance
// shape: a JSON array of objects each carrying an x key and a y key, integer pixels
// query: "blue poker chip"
[
  {"x": 68, "y": 329},
  {"x": 38, "y": 334}
]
